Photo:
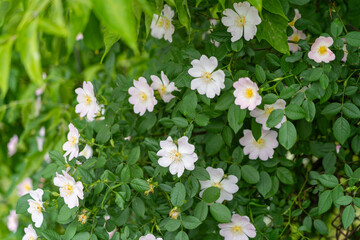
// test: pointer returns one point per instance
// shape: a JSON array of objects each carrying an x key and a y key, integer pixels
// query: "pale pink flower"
[
  {"x": 263, "y": 115},
  {"x": 295, "y": 37},
  {"x": 12, "y": 145},
  {"x": 246, "y": 93},
  {"x": 128, "y": 138},
  {"x": 296, "y": 17},
  {"x": 70, "y": 190},
  {"x": 12, "y": 221},
  {"x": 36, "y": 207},
  {"x": 163, "y": 86},
  {"x": 30, "y": 233},
  {"x": 149, "y": 237},
  {"x": 242, "y": 21},
  {"x": 24, "y": 187},
  {"x": 87, "y": 152},
  {"x": 320, "y": 51},
  {"x": 161, "y": 26},
  {"x": 87, "y": 102},
  {"x": 207, "y": 80},
  {"x": 240, "y": 228},
  {"x": 179, "y": 157},
  {"x": 72, "y": 145},
  {"x": 226, "y": 184},
  {"x": 142, "y": 96},
  {"x": 338, "y": 148},
  {"x": 263, "y": 148},
  {"x": 346, "y": 52},
  {"x": 79, "y": 37}
]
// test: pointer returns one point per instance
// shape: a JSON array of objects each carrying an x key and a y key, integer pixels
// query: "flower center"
[
  {"x": 249, "y": 93},
  {"x": 143, "y": 96},
  {"x": 82, "y": 218},
  {"x": 73, "y": 140},
  {"x": 38, "y": 207},
  {"x": 27, "y": 187},
  {"x": 162, "y": 89},
  {"x": 237, "y": 230},
  {"x": 259, "y": 143},
  {"x": 206, "y": 76},
  {"x": 176, "y": 156},
  {"x": 240, "y": 21},
  {"x": 167, "y": 24},
  {"x": 322, "y": 50},
  {"x": 268, "y": 111},
  {"x": 87, "y": 99},
  {"x": 292, "y": 23},
  {"x": 68, "y": 189},
  {"x": 31, "y": 238},
  {"x": 217, "y": 184},
  {"x": 296, "y": 38}
]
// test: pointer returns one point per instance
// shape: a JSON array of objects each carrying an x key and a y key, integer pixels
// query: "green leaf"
[
  {"x": 294, "y": 112},
  {"x": 315, "y": 74},
  {"x": 341, "y": 129},
  {"x": 190, "y": 222},
  {"x": 201, "y": 210},
  {"x": 134, "y": 155},
  {"x": 336, "y": 28},
  {"x": 350, "y": 110},
  {"x": 310, "y": 110},
  {"x": 250, "y": 174},
  {"x": 118, "y": 16},
  {"x": 103, "y": 134},
  {"x": 214, "y": 144},
  {"x": 183, "y": 13},
  {"x": 70, "y": 231},
  {"x": 321, "y": 227},
  {"x": 299, "y": 2},
  {"x": 65, "y": 213},
  {"x": 260, "y": 73},
  {"x": 178, "y": 194},
  {"x": 220, "y": 212},
  {"x": 110, "y": 38},
  {"x": 180, "y": 122},
  {"x": 50, "y": 234},
  {"x": 237, "y": 46},
  {"x": 331, "y": 109},
  {"x": 139, "y": 185},
  {"x": 181, "y": 236},
  {"x": 353, "y": 39},
  {"x": 189, "y": 103},
  {"x": 265, "y": 183},
  {"x": 284, "y": 175},
  {"x": 201, "y": 173},
  {"x": 5, "y": 59},
  {"x": 273, "y": 30},
  {"x": 236, "y": 117},
  {"x": 324, "y": 81},
  {"x": 325, "y": 201},
  {"x": 329, "y": 181},
  {"x": 274, "y": 6},
  {"x": 287, "y": 135},
  {"x": 275, "y": 118},
  {"x": 30, "y": 55},
  {"x": 257, "y": 4},
  {"x": 172, "y": 225},
  {"x": 202, "y": 119},
  {"x": 22, "y": 204},
  {"x": 348, "y": 216},
  {"x": 120, "y": 199},
  {"x": 225, "y": 101},
  {"x": 211, "y": 194},
  {"x": 355, "y": 144},
  {"x": 344, "y": 200}
]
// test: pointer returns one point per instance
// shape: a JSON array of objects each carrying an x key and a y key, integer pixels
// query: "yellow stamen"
[
  {"x": 167, "y": 24},
  {"x": 68, "y": 189},
  {"x": 217, "y": 184},
  {"x": 82, "y": 218},
  {"x": 259, "y": 143},
  {"x": 73, "y": 141},
  {"x": 296, "y": 38},
  {"x": 162, "y": 90},
  {"x": 88, "y": 99},
  {"x": 292, "y": 23},
  {"x": 206, "y": 76},
  {"x": 27, "y": 187},
  {"x": 38, "y": 207},
  {"x": 240, "y": 21},
  {"x": 268, "y": 111},
  {"x": 237, "y": 230},
  {"x": 143, "y": 96},
  {"x": 322, "y": 50},
  {"x": 249, "y": 93}
]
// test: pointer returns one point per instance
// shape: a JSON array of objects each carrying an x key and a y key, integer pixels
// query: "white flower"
[
  {"x": 162, "y": 26},
  {"x": 30, "y": 233},
  {"x": 149, "y": 237},
  {"x": 295, "y": 37},
  {"x": 163, "y": 86},
  {"x": 47, "y": 158},
  {"x": 178, "y": 157},
  {"x": 12, "y": 221},
  {"x": 12, "y": 145},
  {"x": 88, "y": 105},
  {"x": 206, "y": 80},
  {"x": 41, "y": 138},
  {"x": 70, "y": 190},
  {"x": 87, "y": 152},
  {"x": 72, "y": 145},
  {"x": 242, "y": 21},
  {"x": 263, "y": 148},
  {"x": 227, "y": 185},
  {"x": 36, "y": 207},
  {"x": 100, "y": 115},
  {"x": 267, "y": 220},
  {"x": 320, "y": 51},
  {"x": 142, "y": 96},
  {"x": 240, "y": 228},
  {"x": 296, "y": 17},
  {"x": 79, "y": 37},
  {"x": 246, "y": 93},
  {"x": 24, "y": 187},
  {"x": 263, "y": 115}
]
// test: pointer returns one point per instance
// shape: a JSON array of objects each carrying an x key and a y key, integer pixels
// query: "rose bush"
[{"x": 180, "y": 119}]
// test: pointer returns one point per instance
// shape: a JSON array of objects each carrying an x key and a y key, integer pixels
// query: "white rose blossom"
[
  {"x": 70, "y": 190},
  {"x": 161, "y": 26},
  {"x": 12, "y": 221},
  {"x": 88, "y": 105},
  {"x": 246, "y": 93},
  {"x": 263, "y": 115},
  {"x": 178, "y": 156},
  {"x": 87, "y": 152},
  {"x": 142, "y": 96},
  {"x": 242, "y": 21},
  {"x": 240, "y": 228},
  {"x": 263, "y": 148},
  {"x": 24, "y": 187},
  {"x": 207, "y": 81},
  {"x": 163, "y": 86},
  {"x": 72, "y": 145},
  {"x": 30, "y": 233},
  {"x": 226, "y": 184},
  {"x": 36, "y": 207},
  {"x": 149, "y": 236}
]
